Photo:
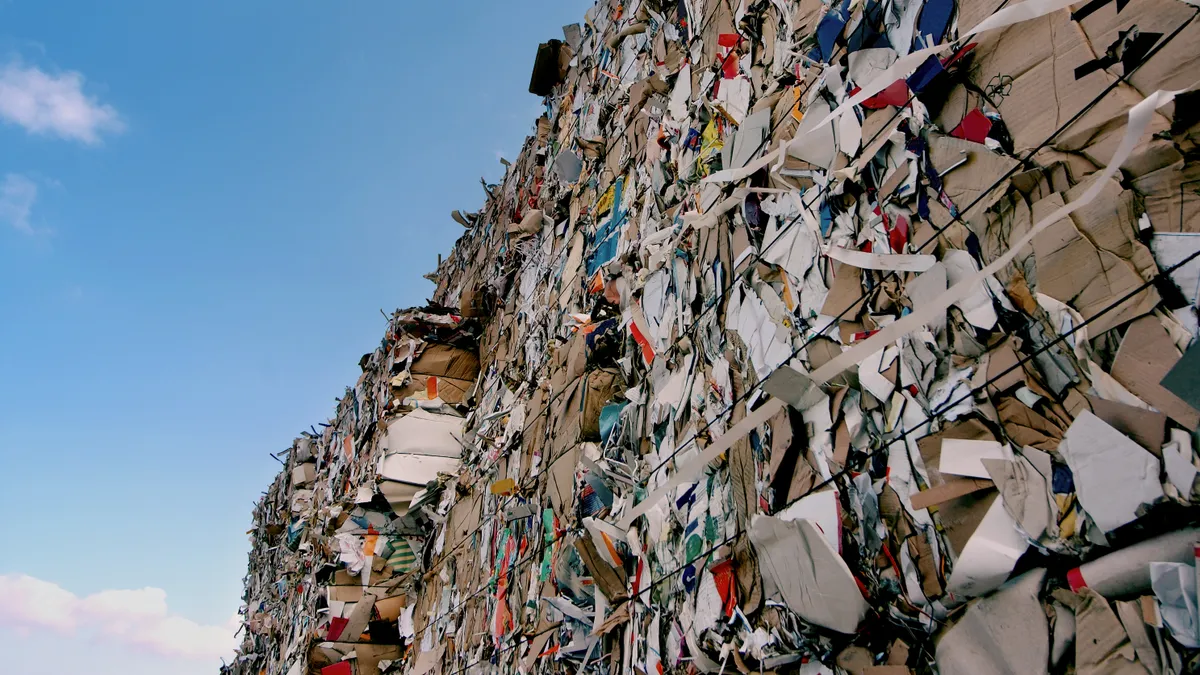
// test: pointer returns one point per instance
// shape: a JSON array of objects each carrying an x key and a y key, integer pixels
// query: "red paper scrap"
[{"x": 974, "y": 127}]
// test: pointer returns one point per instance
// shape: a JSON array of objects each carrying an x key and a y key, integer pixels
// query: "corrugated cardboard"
[
  {"x": 1146, "y": 355},
  {"x": 1071, "y": 269}
]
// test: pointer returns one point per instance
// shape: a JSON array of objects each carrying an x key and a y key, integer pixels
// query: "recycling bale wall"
[{"x": 798, "y": 338}]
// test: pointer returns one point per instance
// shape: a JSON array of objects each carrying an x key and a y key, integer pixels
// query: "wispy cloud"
[
  {"x": 139, "y": 618},
  {"x": 17, "y": 195},
  {"x": 54, "y": 104}
]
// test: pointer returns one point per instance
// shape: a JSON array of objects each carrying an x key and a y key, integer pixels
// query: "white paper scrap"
[
  {"x": 1113, "y": 475},
  {"x": 1175, "y": 589},
  {"x": 965, "y": 457},
  {"x": 989, "y": 556}
]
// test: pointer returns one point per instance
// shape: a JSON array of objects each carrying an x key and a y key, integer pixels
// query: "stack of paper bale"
[{"x": 800, "y": 338}]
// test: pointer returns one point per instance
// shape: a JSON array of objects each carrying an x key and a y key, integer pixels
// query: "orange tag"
[
  {"x": 504, "y": 486},
  {"x": 369, "y": 542},
  {"x": 796, "y": 112},
  {"x": 431, "y": 387}
]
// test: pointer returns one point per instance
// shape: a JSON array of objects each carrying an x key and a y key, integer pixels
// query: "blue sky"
[{"x": 203, "y": 208}]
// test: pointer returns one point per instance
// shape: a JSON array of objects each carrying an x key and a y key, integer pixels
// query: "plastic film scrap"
[{"x": 800, "y": 337}]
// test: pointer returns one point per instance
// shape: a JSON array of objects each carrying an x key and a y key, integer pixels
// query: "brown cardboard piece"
[
  {"x": 1026, "y": 426},
  {"x": 472, "y": 303},
  {"x": 930, "y": 446},
  {"x": 845, "y": 293},
  {"x": 1175, "y": 66},
  {"x": 745, "y": 498},
  {"x": 879, "y": 125},
  {"x": 566, "y": 417},
  {"x": 902, "y": 533},
  {"x": 1101, "y": 645},
  {"x": 717, "y": 18},
  {"x": 463, "y": 517},
  {"x": 619, "y": 616},
  {"x": 1004, "y": 358},
  {"x": 953, "y": 487},
  {"x": 972, "y": 180},
  {"x": 390, "y": 608},
  {"x": 602, "y": 385},
  {"x": 1145, "y": 356},
  {"x": 857, "y": 660},
  {"x": 537, "y": 645},
  {"x": 854, "y": 659},
  {"x": 961, "y": 515},
  {"x": 456, "y": 370},
  {"x": 427, "y": 662},
  {"x": 610, "y": 580},
  {"x": 533, "y": 437},
  {"x": 790, "y": 473},
  {"x": 345, "y": 588},
  {"x": 841, "y": 443},
  {"x": 822, "y": 351},
  {"x": 368, "y": 657},
  {"x": 1130, "y": 615},
  {"x": 447, "y": 361},
  {"x": 1072, "y": 270},
  {"x": 1147, "y": 427},
  {"x": 303, "y": 474},
  {"x": 1171, "y": 208},
  {"x": 1035, "y": 61},
  {"x": 561, "y": 482},
  {"x": 1109, "y": 221},
  {"x": 640, "y": 92}
]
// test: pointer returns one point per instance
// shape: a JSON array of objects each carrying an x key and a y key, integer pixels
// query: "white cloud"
[
  {"x": 47, "y": 103},
  {"x": 138, "y": 618},
  {"x": 28, "y": 602},
  {"x": 17, "y": 195}
]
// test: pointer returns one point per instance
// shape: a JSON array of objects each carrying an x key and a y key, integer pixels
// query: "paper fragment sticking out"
[
  {"x": 1006, "y": 632},
  {"x": 966, "y": 458},
  {"x": 823, "y": 511},
  {"x": 874, "y": 261},
  {"x": 801, "y": 568},
  {"x": 989, "y": 556},
  {"x": 927, "y": 286},
  {"x": 1112, "y": 474},
  {"x": 748, "y": 141},
  {"x": 1025, "y": 489},
  {"x": 304, "y": 474},
  {"x": 568, "y": 166},
  {"x": 1101, "y": 643},
  {"x": 817, "y": 143},
  {"x": 420, "y": 446},
  {"x": 976, "y": 307},
  {"x": 1174, "y": 587},
  {"x": 1146, "y": 356}
]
